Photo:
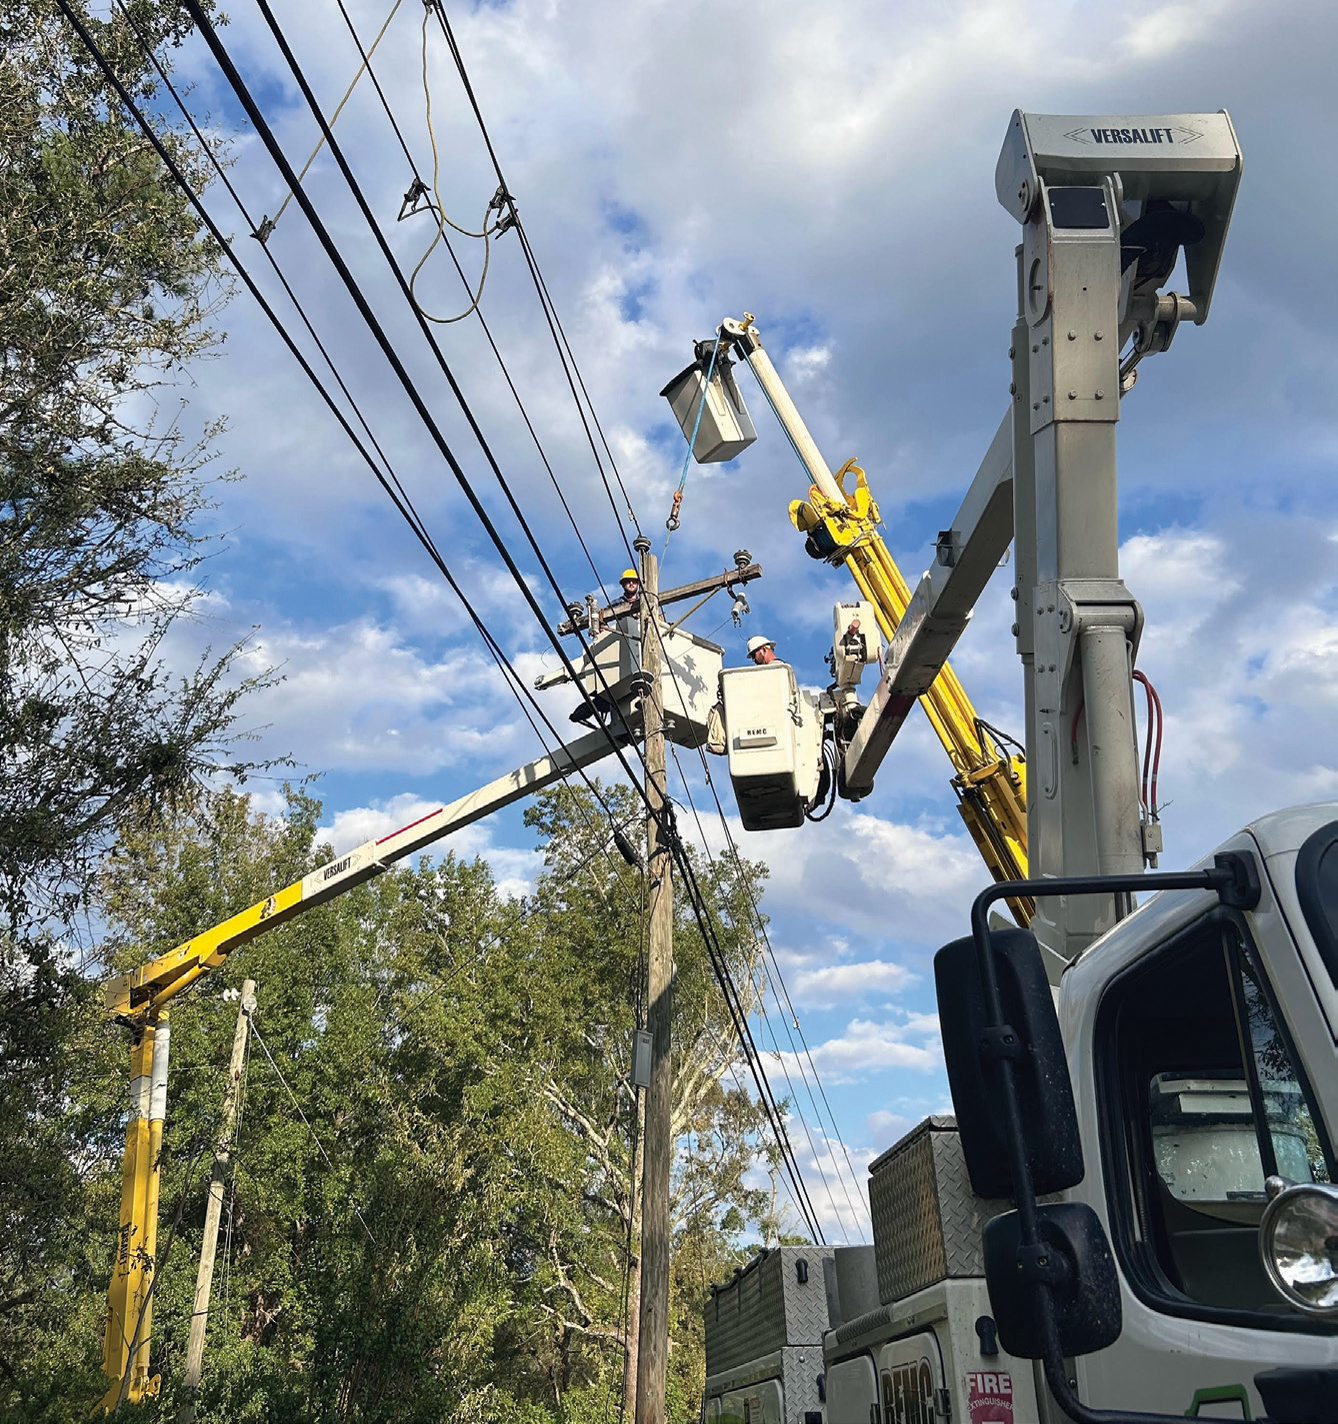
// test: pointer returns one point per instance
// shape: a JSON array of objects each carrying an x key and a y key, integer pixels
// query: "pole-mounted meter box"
[{"x": 723, "y": 426}]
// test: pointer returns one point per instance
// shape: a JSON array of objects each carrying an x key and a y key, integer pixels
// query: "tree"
[
  {"x": 587, "y": 954},
  {"x": 107, "y": 290},
  {"x": 446, "y": 1234}
]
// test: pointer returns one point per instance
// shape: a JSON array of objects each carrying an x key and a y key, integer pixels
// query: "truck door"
[
  {"x": 852, "y": 1391},
  {"x": 908, "y": 1372},
  {"x": 1200, "y": 1096}
]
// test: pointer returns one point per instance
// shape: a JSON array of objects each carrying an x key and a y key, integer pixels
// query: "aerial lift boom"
[
  {"x": 842, "y": 528},
  {"x": 139, "y": 1000},
  {"x": 614, "y": 686},
  {"x": 1126, "y": 1081}
]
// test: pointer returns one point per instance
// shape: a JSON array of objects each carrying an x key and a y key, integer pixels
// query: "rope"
[
  {"x": 498, "y": 202},
  {"x": 671, "y": 523},
  {"x": 566, "y": 356},
  {"x": 298, "y": 1107},
  {"x": 268, "y": 225}
]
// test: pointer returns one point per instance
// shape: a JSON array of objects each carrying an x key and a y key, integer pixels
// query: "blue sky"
[{"x": 829, "y": 168}]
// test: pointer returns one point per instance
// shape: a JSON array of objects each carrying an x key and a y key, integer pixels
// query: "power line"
[
  {"x": 565, "y": 353},
  {"x": 292, "y": 1098},
  {"x": 271, "y": 223},
  {"x": 373, "y": 324},
  {"x": 761, "y": 1002},
  {"x": 478, "y": 311},
  {"x": 780, "y": 980},
  {"x": 739, "y": 1018},
  {"x": 402, "y": 503},
  {"x": 760, "y": 921},
  {"x": 391, "y": 486}
]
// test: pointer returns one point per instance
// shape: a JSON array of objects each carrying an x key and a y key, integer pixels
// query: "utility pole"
[
  {"x": 204, "y": 1281},
  {"x": 653, "y": 1329}
]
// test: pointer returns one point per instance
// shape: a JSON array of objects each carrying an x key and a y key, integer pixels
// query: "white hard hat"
[{"x": 759, "y": 642}]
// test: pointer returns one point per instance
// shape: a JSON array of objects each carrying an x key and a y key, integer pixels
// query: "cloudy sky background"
[{"x": 829, "y": 168}]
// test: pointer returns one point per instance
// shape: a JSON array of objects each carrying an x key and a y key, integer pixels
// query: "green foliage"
[
  {"x": 462, "y": 1061},
  {"x": 107, "y": 288},
  {"x": 106, "y": 294}
]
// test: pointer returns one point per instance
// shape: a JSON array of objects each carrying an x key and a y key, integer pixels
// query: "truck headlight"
[{"x": 1298, "y": 1240}]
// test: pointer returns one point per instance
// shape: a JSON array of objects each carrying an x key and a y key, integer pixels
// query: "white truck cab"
[{"x": 1200, "y": 1043}]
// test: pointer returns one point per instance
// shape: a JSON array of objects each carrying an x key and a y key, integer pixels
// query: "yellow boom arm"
[
  {"x": 139, "y": 1000},
  {"x": 989, "y": 782}
]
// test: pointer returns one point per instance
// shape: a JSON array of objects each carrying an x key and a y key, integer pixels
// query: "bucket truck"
[
  {"x": 1131, "y": 1214},
  {"x": 612, "y": 688},
  {"x": 842, "y": 527}
]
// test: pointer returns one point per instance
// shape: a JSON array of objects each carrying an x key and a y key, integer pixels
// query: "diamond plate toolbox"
[
  {"x": 766, "y": 1307},
  {"x": 926, "y": 1219}
]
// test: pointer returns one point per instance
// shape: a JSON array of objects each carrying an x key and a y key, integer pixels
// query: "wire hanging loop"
[
  {"x": 672, "y": 522},
  {"x": 500, "y": 203}
]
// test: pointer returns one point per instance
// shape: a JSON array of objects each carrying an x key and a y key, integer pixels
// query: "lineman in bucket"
[
  {"x": 630, "y": 583},
  {"x": 762, "y": 650}
]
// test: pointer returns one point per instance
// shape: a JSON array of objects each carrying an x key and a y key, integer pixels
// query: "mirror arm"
[{"x": 1235, "y": 879}]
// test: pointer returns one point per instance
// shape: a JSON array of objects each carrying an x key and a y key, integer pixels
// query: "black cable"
[
  {"x": 739, "y": 1018},
  {"x": 222, "y": 173},
  {"x": 355, "y": 188},
  {"x": 808, "y": 1134},
  {"x": 829, "y": 761},
  {"x": 743, "y": 1031},
  {"x": 541, "y": 287},
  {"x": 408, "y": 513},
  {"x": 766, "y": 938},
  {"x": 263, "y": 131},
  {"x": 478, "y": 311},
  {"x": 1003, "y": 739},
  {"x": 780, "y": 978}
]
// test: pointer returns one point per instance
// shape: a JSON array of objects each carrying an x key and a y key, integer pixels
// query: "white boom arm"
[
  {"x": 968, "y": 553},
  {"x": 165, "y": 977}
]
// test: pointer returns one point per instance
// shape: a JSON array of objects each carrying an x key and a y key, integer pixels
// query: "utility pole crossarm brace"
[{"x": 743, "y": 572}]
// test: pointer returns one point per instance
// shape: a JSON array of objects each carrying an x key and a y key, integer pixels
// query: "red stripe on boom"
[{"x": 411, "y": 825}]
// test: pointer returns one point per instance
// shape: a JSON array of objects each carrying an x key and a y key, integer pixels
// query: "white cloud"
[
  {"x": 1173, "y": 26},
  {"x": 361, "y": 695},
  {"x": 868, "y": 1047},
  {"x": 834, "y": 982},
  {"x": 358, "y": 824}
]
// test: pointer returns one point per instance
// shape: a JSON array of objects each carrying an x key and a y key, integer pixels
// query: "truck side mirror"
[
  {"x": 1031, "y": 1038},
  {"x": 1074, "y": 1258}
]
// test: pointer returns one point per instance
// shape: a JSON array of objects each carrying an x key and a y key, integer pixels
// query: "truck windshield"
[{"x": 1203, "y": 1099}]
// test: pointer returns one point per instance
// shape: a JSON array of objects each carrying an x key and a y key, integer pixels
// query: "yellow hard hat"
[{"x": 629, "y": 574}]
